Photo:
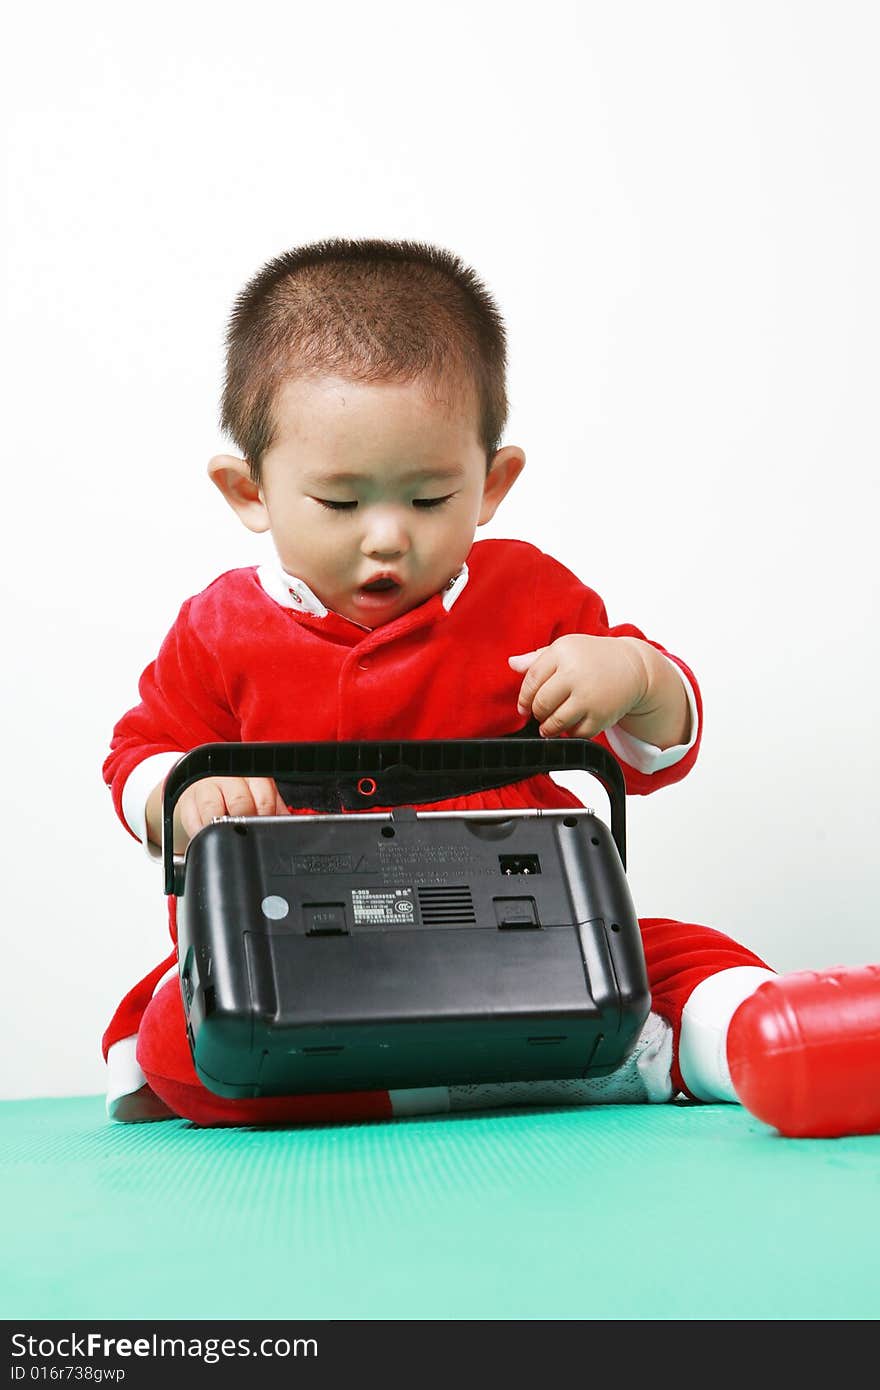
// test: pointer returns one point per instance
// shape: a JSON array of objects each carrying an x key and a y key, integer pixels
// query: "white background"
[{"x": 676, "y": 207}]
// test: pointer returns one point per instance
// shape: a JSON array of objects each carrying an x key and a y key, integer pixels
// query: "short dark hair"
[{"x": 369, "y": 311}]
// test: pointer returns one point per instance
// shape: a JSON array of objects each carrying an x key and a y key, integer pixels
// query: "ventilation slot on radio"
[{"x": 453, "y": 906}]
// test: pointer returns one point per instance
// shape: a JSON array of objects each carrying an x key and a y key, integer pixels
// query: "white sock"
[
  {"x": 705, "y": 1019},
  {"x": 643, "y": 1079},
  {"x": 124, "y": 1076}
]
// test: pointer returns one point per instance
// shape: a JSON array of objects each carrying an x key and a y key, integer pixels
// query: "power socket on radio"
[{"x": 519, "y": 863}]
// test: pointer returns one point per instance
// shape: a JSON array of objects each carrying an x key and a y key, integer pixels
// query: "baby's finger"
[
  {"x": 525, "y": 659},
  {"x": 567, "y": 716},
  {"x": 187, "y": 813},
  {"x": 265, "y": 795},
  {"x": 238, "y": 796},
  {"x": 206, "y": 803},
  {"x": 539, "y": 671},
  {"x": 551, "y": 693}
]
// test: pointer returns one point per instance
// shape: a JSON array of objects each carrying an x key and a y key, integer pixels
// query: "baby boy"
[{"x": 365, "y": 391}]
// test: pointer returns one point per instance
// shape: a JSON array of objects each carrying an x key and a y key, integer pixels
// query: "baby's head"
[{"x": 365, "y": 390}]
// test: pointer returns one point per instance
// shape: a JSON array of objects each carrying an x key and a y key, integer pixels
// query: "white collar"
[{"x": 295, "y": 593}]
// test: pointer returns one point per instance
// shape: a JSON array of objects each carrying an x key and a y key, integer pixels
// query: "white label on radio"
[{"x": 383, "y": 906}]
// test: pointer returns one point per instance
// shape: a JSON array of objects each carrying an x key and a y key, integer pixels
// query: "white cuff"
[
  {"x": 135, "y": 794},
  {"x": 647, "y": 757}
]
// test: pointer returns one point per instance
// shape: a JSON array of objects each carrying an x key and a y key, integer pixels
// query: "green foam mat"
[{"x": 611, "y": 1212}]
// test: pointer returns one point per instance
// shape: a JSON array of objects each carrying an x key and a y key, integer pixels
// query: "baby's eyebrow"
[{"x": 452, "y": 471}]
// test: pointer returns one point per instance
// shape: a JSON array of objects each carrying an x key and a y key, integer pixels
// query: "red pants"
[{"x": 679, "y": 956}]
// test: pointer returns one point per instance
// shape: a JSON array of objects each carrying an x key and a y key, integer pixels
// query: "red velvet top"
[{"x": 239, "y": 666}]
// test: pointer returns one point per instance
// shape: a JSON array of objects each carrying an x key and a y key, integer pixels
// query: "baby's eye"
[
  {"x": 432, "y": 501},
  {"x": 336, "y": 506}
]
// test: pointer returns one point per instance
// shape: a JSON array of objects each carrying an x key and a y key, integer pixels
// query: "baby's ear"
[
  {"x": 233, "y": 477},
  {"x": 507, "y": 465}
]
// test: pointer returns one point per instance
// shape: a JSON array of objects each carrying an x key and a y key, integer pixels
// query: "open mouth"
[
  {"x": 380, "y": 586},
  {"x": 380, "y": 592}
]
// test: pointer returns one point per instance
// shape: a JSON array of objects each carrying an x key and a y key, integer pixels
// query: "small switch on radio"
[
  {"x": 516, "y": 912},
  {"x": 325, "y": 919}
]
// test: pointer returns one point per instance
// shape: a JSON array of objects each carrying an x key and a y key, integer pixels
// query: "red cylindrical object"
[{"x": 804, "y": 1052}]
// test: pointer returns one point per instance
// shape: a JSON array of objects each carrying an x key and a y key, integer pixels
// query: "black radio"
[{"x": 351, "y": 950}]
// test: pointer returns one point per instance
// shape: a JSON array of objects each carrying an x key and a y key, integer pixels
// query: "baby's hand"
[
  {"x": 225, "y": 796},
  {"x": 581, "y": 685}
]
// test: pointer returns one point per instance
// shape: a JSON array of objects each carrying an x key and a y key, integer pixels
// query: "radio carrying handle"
[{"x": 363, "y": 765}]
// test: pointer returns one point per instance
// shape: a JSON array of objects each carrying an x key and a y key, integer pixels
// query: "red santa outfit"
[{"x": 257, "y": 657}]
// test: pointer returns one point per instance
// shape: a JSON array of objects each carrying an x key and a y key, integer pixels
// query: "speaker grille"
[{"x": 447, "y": 904}]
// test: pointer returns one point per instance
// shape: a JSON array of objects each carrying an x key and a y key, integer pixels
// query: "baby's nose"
[{"x": 386, "y": 536}]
